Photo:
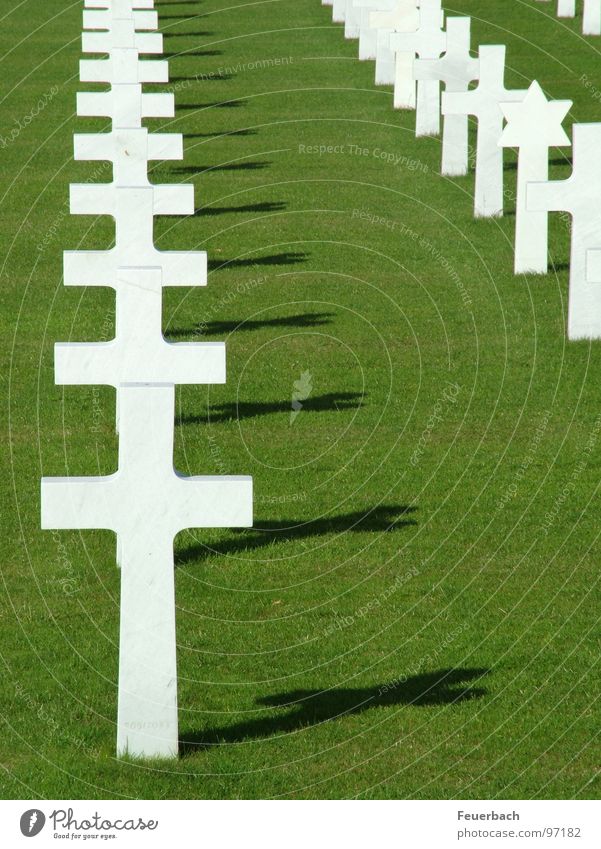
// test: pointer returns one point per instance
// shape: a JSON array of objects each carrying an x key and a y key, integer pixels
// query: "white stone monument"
[
  {"x": 579, "y": 195},
  {"x": 428, "y": 41},
  {"x": 457, "y": 68},
  {"x": 591, "y": 17},
  {"x": 484, "y": 102},
  {"x": 368, "y": 35},
  {"x": 352, "y": 20},
  {"x": 396, "y": 68},
  {"x": 533, "y": 126},
  {"x": 146, "y": 502},
  {"x": 566, "y": 8},
  {"x": 339, "y": 11}
]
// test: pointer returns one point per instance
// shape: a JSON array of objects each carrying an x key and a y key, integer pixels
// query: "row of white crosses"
[
  {"x": 146, "y": 502},
  {"x": 522, "y": 119}
]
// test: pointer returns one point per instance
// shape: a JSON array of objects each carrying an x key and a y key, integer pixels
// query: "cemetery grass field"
[{"x": 416, "y": 612}]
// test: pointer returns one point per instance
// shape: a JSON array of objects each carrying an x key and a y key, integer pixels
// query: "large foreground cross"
[{"x": 147, "y": 503}]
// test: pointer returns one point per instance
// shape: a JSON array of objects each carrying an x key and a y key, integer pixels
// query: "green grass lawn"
[{"x": 416, "y": 613}]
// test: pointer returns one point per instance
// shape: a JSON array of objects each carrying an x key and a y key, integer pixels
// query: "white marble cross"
[
  {"x": 428, "y": 41},
  {"x": 533, "y": 126},
  {"x": 457, "y": 69},
  {"x": 352, "y": 20},
  {"x": 147, "y": 503},
  {"x": 133, "y": 210},
  {"x": 579, "y": 195},
  {"x": 339, "y": 11},
  {"x": 566, "y": 8},
  {"x": 396, "y": 68},
  {"x": 591, "y": 17},
  {"x": 368, "y": 35},
  {"x": 139, "y": 352},
  {"x": 484, "y": 102}
]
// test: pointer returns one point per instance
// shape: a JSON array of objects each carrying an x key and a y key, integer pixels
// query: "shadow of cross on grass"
[
  {"x": 236, "y": 411},
  {"x": 264, "y": 206},
  {"x": 382, "y": 519},
  {"x": 309, "y": 708},
  {"x": 221, "y": 328},
  {"x": 230, "y": 166},
  {"x": 286, "y": 258}
]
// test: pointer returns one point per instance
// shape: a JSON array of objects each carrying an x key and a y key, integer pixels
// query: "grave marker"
[
  {"x": 457, "y": 69},
  {"x": 579, "y": 195},
  {"x": 428, "y": 41},
  {"x": 484, "y": 103},
  {"x": 533, "y": 126}
]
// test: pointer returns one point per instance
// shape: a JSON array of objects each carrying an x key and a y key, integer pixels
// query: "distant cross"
[
  {"x": 368, "y": 35},
  {"x": 533, "y": 126},
  {"x": 147, "y": 503},
  {"x": 428, "y": 41},
  {"x": 396, "y": 69},
  {"x": 579, "y": 195},
  {"x": 338, "y": 11},
  {"x": 352, "y": 20},
  {"x": 591, "y": 17},
  {"x": 457, "y": 69},
  {"x": 133, "y": 209},
  {"x": 484, "y": 102},
  {"x": 566, "y": 8},
  {"x": 139, "y": 350}
]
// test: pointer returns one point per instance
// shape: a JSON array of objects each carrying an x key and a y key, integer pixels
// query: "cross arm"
[
  {"x": 72, "y": 503},
  {"x": 146, "y": 146},
  {"x": 103, "y": 104},
  {"x": 100, "y": 268},
  {"x": 459, "y": 103},
  {"x": 124, "y": 67},
  {"x": 101, "y": 19},
  {"x": 551, "y": 196},
  {"x": 115, "y": 4},
  {"x": 99, "y": 199},
  {"x": 214, "y": 502},
  {"x": 106, "y": 42}
]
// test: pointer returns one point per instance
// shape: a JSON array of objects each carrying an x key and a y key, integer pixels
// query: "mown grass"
[{"x": 408, "y": 618}]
